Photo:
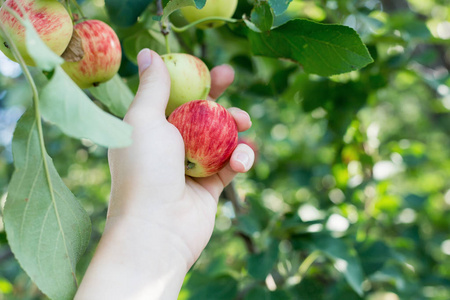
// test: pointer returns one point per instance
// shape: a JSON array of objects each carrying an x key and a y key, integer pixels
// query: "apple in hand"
[
  {"x": 189, "y": 79},
  {"x": 212, "y": 8},
  {"x": 50, "y": 19},
  {"x": 101, "y": 56},
  {"x": 209, "y": 133}
]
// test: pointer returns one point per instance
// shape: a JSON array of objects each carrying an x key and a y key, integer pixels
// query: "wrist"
[{"x": 135, "y": 264}]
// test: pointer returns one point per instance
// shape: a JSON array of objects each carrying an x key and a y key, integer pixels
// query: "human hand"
[{"x": 154, "y": 207}]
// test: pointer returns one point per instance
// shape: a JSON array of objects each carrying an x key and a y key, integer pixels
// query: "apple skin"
[
  {"x": 209, "y": 133},
  {"x": 50, "y": 19},
  {"x": 212, "y": 8},
  {"x": 102, "y": 54},
  {"x": 189, "y": 79}
]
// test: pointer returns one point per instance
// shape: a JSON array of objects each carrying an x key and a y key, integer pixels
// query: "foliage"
[{"x": 349, "y": 198}]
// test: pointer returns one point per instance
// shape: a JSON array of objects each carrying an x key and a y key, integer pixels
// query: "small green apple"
[
  {"x": 212, "y": 8},
  {"x": 50, "y": 19},
  {"x": 189, "y": 79}
]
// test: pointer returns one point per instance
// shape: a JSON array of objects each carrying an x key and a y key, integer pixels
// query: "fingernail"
[
  {"x": 144, "y": 59},
  {"x": 243, "y": 159}
]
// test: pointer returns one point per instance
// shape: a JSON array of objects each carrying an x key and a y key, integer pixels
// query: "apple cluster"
[
  {"x": 209, "y": 131},
  {"x": 91, "y": 49}
]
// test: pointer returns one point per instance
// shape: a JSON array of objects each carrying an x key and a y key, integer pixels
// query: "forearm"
[{"x": 132, "y": 262}]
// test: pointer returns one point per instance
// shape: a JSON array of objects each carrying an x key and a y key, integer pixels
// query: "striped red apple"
[
  {"x": 50, "y": 19},
  {"x": 102, "y": 54},
  {"x": 209, "y": 133}
]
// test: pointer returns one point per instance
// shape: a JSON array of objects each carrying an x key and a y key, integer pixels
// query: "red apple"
[
  {"x": 210, "y": 136},
  {"x": 102, "y": 54},
  {"x": 50, "y": 19}
]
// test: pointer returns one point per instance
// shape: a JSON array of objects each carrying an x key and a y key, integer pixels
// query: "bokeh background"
[{"x": 352, "y": 181}]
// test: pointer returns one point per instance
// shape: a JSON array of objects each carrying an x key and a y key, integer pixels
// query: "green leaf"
[
  {"x": 279, "y": 6},
  {"x": 174, "y": 5},
  {"x": 258, "y": 293},
  {"x": 47, "y": 228},
  {"x": 125, "y": 12},
  {"x": 262, "y": 16},
  {"x": 43, "y": 57},
  {"x": 344, "y": 257},
  {"x": 64, "y": 104},
  {"x": 260, "y": 265},
  {"x": 373, "y": 256},
  {"x": 148, "y": 39},
  {"x": 115, "y": 94},
  {"x": 322, "y": 49},
  {"x": 219, "y": 288}
]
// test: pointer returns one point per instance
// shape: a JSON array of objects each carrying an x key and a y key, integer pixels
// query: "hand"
[{"x": 161, "y": 218}]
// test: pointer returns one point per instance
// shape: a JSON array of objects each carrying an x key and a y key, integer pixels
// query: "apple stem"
[
  {"x": 166, "y": 39},
  {"x": 78, "y": 8},
  {"x": 184, "y": 28}
]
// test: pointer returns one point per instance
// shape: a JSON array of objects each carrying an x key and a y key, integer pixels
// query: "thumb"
[{"x": 154, "y": 86}]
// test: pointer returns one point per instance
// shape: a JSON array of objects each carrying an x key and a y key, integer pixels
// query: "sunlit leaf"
[
  {"x": 64, "y": 104},
  {"x": 47, "y": 228},
  {"x": 43, "y": 57}
]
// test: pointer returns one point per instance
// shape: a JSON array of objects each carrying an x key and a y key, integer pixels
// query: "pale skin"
[{"x": 159, "y": 221}]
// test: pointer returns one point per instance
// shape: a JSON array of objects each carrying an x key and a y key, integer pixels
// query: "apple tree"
[{"x": 350, "y": 102}]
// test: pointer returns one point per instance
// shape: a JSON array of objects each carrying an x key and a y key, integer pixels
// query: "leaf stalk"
[{"x": 184, "y": 28}]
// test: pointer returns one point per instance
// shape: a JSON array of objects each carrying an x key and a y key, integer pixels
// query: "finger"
[
  {"x": 241, "y": 117},
  {"x": 154, "y": 86},
  {"x": 221, "y": 78},
  {"x": 240, "y": 162}
]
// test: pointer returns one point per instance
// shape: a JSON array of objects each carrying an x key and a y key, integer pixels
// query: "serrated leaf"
[
  {"x": 115, "y": 94},
  {"x": 279, "y": 6},
  {"x": 262, "y": 16},
  {"x": 322, "y": 49},
  {"x": 64, "y": 104},
  {"x": 344, "y": 257},
  {"x": 125, "y": 12},
  {"x": 47, "y": 228},
  {"x": 174, "y": 5},
  {"x": 43, "y": 57}
]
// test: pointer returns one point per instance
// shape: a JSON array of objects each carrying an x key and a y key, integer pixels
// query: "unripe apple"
[
  {"x": 102, "y": 54},
  {"x": 50, "y": 19},
  {"x": 212, "y": 8},
  {"x": 209, "y": 133},
  {"x": 189, "y": 79}
]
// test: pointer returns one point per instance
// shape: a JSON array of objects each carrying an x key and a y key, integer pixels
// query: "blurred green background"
[{"x": 350, "y": 195}]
